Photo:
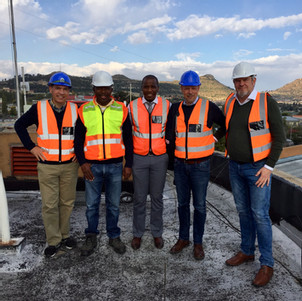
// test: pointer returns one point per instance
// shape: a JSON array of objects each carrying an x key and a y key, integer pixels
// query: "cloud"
[
  {"x": 100, "y": 13},
  {"x": 63, "y": 31},
  {"x": 187, "y": 56},
  {"x": 150, "y": 25},
  {"x": 242, "y": 53},
  {"x": 195, "y": 26},
  {"x": 71, "y": 32},
  {"x": 114, "y": 49},
  {"x": 280, "y": 49},
  {"x": 139, "y": 38},
  {"x": 23, "y": 10},
  {"x": 246, "y": 35},
  {"x": 96, "y": 21},
  {"x": 286, "y": 35},
  {"x": 162, "y": 4}
]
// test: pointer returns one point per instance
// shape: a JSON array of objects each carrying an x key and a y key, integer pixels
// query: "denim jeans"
[
  {"x": 191, "y": 177},
  {"x": 111, "y": 176},
  {"x": 253, "y": 205}
]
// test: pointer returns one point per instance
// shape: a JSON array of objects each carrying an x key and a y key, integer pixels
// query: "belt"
[
  {"x": 240, "y": 162},
  {"x": 193, "y": 161}
]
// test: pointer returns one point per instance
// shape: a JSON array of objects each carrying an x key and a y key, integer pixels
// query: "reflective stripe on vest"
[
  {"x": 196, "y": 140},
  {"x": 258, "y": 126},
  {"x": 104, "y": 130},
  {"x": 56, "y": 147},
  {"x": 142, "y": 133}
]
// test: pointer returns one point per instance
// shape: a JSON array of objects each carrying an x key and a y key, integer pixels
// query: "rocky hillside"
[{"x": 290, "y": 92}]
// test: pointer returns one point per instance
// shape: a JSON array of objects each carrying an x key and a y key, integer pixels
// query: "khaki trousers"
[{"x": 58, "y": 192}]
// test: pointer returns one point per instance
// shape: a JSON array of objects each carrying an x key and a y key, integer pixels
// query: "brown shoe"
[
  {"x": 198, "y": 252},
  {"x": 136, "y": 243},
  {"x": 239, "y": 259},
  {"x": 158, "y": 242},
  {"x": 180, "y": 244},
  {"x": 263, "y": 276}
]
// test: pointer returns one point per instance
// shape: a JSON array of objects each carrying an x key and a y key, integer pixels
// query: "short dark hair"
[{"x": 150, "y": 76}]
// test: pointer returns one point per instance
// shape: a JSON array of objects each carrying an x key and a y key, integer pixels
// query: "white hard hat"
[
  {"x": 243, "y": 69},
  {"x": 102, "y": 79}
]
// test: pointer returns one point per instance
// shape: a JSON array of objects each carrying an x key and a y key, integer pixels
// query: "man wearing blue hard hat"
[
  {"x": 57, "y": 167},
  {"x": 191, "y": 142}
]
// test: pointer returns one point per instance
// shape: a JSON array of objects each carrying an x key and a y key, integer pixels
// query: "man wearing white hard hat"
[
  {"x": 254, "y": 142},
  {"x": 103, "y": 138}
]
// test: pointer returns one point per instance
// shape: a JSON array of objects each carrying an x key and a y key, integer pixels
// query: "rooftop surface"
[
  {"x": 291, "y": 166},
  {"x": 147, "y": 273}
]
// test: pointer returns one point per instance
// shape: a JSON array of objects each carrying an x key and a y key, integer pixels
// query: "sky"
[{"x": 160, "y": 37}]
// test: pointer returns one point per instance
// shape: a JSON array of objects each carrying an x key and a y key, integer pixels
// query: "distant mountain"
[
  {"x": 213, "y": 89},
  {"x": 289, "y": 92},
  {"x": 210, "y": 88}
]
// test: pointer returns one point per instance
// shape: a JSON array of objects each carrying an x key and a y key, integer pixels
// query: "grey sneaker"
[
  {"x": 89, "y": 244},
  {"x": 117, "y": 245}
]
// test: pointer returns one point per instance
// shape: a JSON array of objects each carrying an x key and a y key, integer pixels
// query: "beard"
[{"x": 243, "y": 94}]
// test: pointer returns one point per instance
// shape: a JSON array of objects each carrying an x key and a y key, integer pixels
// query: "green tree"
[
  {"x": 13, "y": 111},
  {"x": 296, "y": 134},
  {"x": 121, "y": 96},
  {"x": 4, "y": 107}
]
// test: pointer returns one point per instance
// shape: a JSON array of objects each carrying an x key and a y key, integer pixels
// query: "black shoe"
[
  {"x": 117, "y": 245},
  {"x": 89, "y": 245},
  {"x": 51, "y": 251},
  {"x": 69, "y": 243}
]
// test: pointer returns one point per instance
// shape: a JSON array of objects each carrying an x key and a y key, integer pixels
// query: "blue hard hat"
[
  {"x": 60, "y": 79},
  {"x": 190, "y": 78}
]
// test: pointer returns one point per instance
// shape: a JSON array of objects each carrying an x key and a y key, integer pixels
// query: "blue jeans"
[
  {"x": 191, "y": 177},
  {"x": 111, "y": 176},
  {"x": 253, "y": 205}
]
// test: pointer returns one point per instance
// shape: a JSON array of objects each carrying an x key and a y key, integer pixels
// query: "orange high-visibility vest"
[
  {"x": 148, "y": 129},
  {"x": 103, "y": 130},
  {"x": 258, "y": 126},
  {"x": 56, "y": 146},
  {"x": 196, "y": 140}
]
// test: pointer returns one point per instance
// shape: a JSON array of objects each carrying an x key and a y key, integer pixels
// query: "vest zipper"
[
  {"x": 186, "y": 142},
  {"x": 103, "y": 128},
  {"x": 60, "y": 142}
]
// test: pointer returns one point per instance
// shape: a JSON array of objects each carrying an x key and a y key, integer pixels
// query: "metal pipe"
[
  {"x": 24, "y": 86},
  {"x": 15, "y": 58}
]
